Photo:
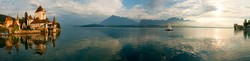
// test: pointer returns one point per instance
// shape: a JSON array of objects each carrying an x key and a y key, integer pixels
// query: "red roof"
[
  {"x": 30, "y": 17},
  {"x": 15, "y": 23},
  {"x": 54, "y": 21},
  {"x": 39, "y": 9},
  {"x": 11, "y": 26},
  {"x": 40, "y": 21}
]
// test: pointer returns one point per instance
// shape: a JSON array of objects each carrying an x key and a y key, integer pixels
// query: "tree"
[
  {"x": 248, "y": 21},
  {"x": 58, "y": 25},
  {"x": 22, "y": 20},
  {"x": 245, "y": 22},
  {"x": 28, "y": 27},
  {"x": 26, "y": 17}
]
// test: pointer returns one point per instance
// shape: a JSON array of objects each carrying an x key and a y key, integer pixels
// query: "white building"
[
  {"x": 40, "y": 20},
  {"x": 30, "y": 19},
  {"x": 40, "y": 13}
]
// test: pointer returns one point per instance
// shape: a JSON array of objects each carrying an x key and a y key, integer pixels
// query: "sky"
[{"x": 215, "y": 13}]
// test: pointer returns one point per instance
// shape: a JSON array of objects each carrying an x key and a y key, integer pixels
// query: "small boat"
[
  {"x": 169, "y": 27},
  {"x": 6, "y": 32}
]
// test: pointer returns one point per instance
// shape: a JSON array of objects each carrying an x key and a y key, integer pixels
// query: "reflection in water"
[
  {"x": 130, "y": 44},
  {"x": 29, "y": 41},
  {"x": 154, "y": 51},
  {"x": 246, "y": 33}
]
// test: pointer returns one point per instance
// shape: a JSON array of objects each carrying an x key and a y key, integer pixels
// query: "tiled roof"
[
  {"x": 30, "y": 17},
  {"x": 39, "y": 9},
  {"x": 8, "y": 18},
  {"x": 40, "y": 21},
  {"x": 11, "y": 26},
  {"x": 54, "y": 21},
  {"x": 16, "y": 22}
]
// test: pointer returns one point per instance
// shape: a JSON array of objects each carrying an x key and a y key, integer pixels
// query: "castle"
[{"x": 38, "y": 23}]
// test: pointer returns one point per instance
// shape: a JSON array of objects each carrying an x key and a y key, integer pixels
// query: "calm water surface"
[{"x": 129, "y": 44}]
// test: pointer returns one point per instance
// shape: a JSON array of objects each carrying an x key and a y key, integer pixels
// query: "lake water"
[{"x": 129, "y": 44}]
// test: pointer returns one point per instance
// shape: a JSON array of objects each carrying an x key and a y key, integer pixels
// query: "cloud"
[
  {"x": 208, "y": 8},
  {"x": 247, "y": 6},
  {"x": 153, "y": 4},
  {"x": 81, "y": 12}
]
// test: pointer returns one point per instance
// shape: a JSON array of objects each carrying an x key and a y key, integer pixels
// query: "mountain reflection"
[
  {"x": 30, "y": 41},
  {"x": 153, "y": 51}
]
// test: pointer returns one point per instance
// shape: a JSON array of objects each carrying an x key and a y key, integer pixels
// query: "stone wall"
[{"x": 27, "y": 31}]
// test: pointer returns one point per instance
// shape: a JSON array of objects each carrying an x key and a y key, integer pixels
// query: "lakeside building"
[
  {"x": 38, "y": 24},
  {"x": 40, "y": 20},
  {"x": 245, "y": 26},
  {"x": 29, "y": 20}
]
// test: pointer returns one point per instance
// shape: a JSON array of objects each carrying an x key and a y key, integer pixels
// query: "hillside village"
[{"x": 37, "y": 24}]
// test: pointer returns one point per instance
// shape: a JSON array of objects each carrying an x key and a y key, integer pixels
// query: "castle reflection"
[{"x": 30, "y": 41}]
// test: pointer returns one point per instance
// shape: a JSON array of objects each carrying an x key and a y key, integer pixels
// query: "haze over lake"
[{"x": 129, "y": 44}]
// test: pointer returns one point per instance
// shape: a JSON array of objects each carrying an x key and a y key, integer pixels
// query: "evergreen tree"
[
  {"x": 248, "y": 21},
  {"x": 22, "y": 21},
  {"x": 26, "y": 17},
  {"x": 245, "y": 22}
]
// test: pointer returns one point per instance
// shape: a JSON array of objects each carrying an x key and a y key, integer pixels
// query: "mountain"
[
  {"x": 174, "y": 21},
  {"x": 116, "y": 20},
  {"x": 92, "y": 25},
  {"x": 3, "y": 17}
]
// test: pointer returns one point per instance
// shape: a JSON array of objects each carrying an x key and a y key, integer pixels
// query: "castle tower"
[
  {"x": 40, "y": 13},
  {"x": 17, "y": 24},
  {"x": 17, "y": 21},
  {"x": 8, "y": 21},
  {"x": 54, "y": 24}
]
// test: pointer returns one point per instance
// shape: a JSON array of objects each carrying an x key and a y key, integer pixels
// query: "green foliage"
[
  {"x": 2, "y": 42},
  {"x": 58, "y": 25},
  {"x": 248, "y": 21},
  {"x": 26, "y": 17},
  {"x": 16, "y": 39},
  {"x": 22, "y": 20},
  {"x": 16, "y": 28},
  {"x": 241, "y": 27},
  {"x": 245, "y": 23},
  {"x": 28, "y": 27},
  {"x": 235, "y": 26},
  {"x": 3, "y": 29},
  {"x": 58, "y": 34}
]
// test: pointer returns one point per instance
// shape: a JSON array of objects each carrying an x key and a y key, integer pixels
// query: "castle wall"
[{"x": 40, "y": 15}]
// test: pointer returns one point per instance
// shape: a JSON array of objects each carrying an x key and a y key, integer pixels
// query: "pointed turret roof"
[
  {"x": 54, "y": 21},
  {"x": 8, "y": 19},
  {"x": 39, "y": 9},
  {"x": 17, "y": 18},
  {"x": 30, "y": 17},
  {"x": 16, "y": 22}
]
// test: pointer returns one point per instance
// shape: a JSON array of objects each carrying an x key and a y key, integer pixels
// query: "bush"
[
  {"x": 28, "y": 27},
  {"x": 3, "y": 29},
  {"x": 58, "y": 25}
]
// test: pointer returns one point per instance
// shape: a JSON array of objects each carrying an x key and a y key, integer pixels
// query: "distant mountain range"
[
  {"x": 116, "y": 20},
  {"x": 173, "y": 21}
]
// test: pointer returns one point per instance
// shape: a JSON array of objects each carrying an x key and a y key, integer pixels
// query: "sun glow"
[
  {"x": 217, "y": 19},
  {"x": 219, "y": 9}
]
